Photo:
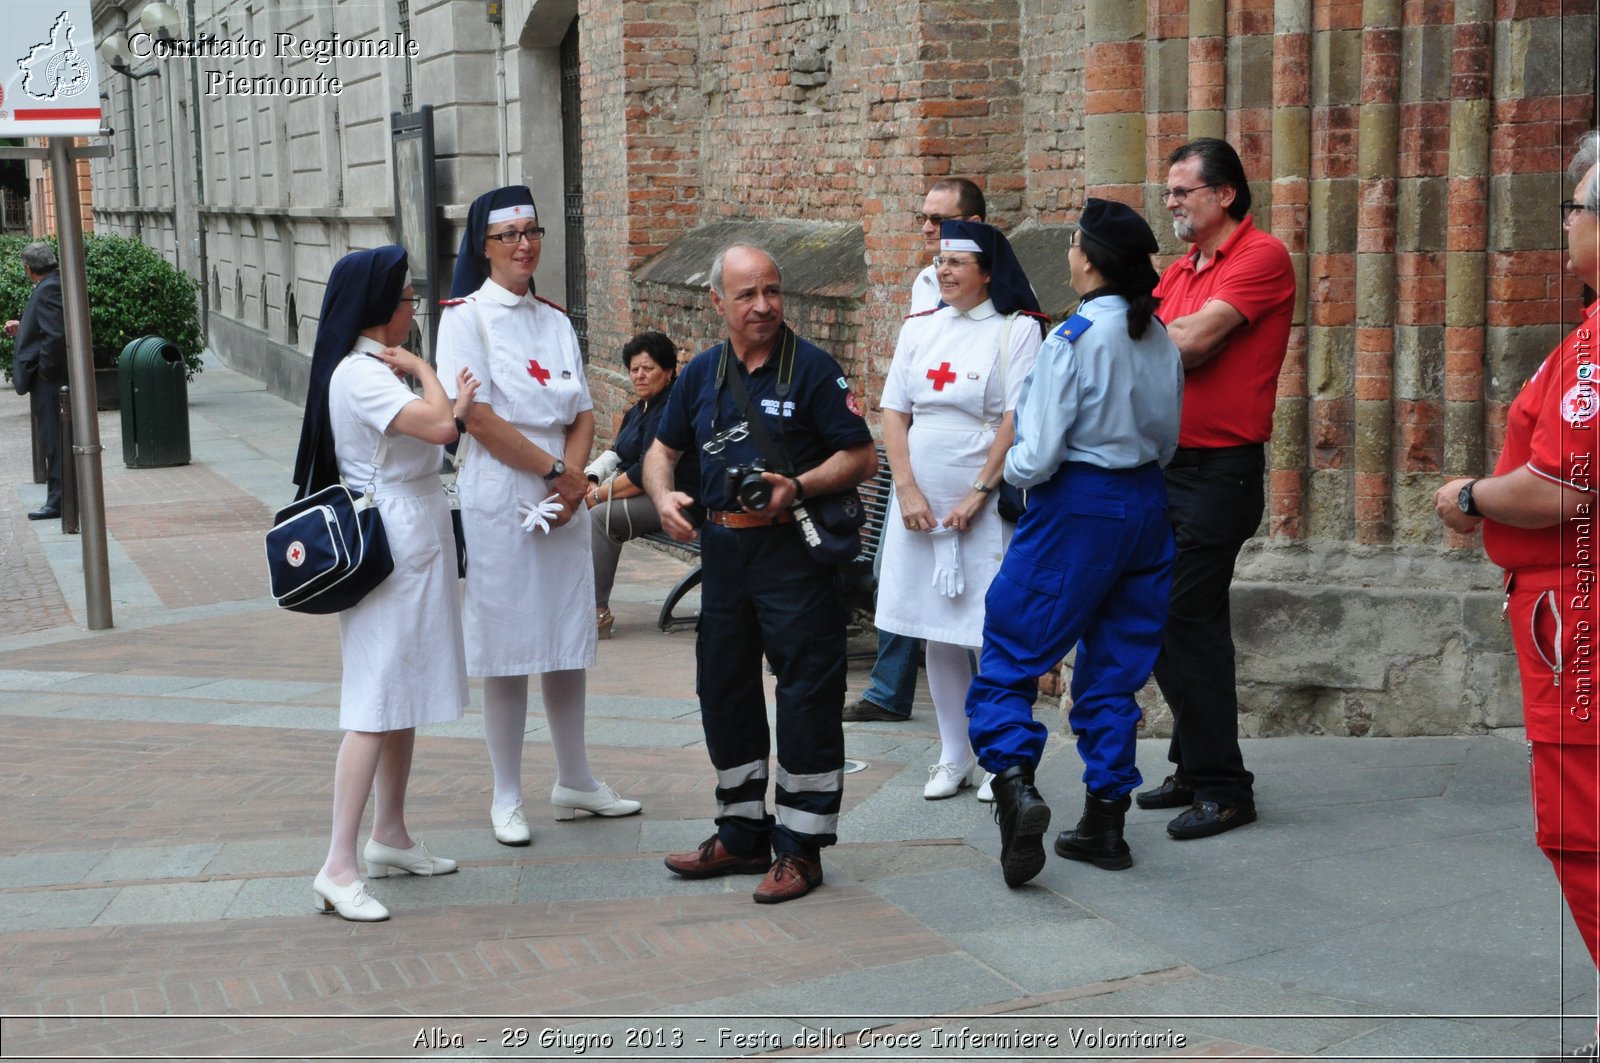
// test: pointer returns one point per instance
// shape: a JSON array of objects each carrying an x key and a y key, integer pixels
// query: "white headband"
[
  {"x": 521, "y": 210},
  {"x": 960, "y": 245}
]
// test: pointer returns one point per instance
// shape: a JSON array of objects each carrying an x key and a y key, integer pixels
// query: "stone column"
[
  {"x": 1466, "y": 236},
  {"x": 1331, "y": 247},
  {"x": 1114, "y": 101},
  {"x": 1377, "y": 149},
  {"x": 1207, "y": 68},
  {"x": 1291, "y": 169}
]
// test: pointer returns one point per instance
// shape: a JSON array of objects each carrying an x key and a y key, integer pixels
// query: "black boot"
[
  {"x": 1098, "y": 837},
  {"x": 1023, "y": 817}
]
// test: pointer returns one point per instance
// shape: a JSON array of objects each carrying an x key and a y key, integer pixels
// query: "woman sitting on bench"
[{"x": 619, "y": 509}]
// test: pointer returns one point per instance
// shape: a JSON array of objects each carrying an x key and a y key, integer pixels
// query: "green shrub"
[{"x": 133, "y": 292}]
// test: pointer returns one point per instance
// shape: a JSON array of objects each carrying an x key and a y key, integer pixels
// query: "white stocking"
[
  {"x": 949, "y": 675},
  {"x": 564, "y": 695},
  {"x": 505, "y": 721}
]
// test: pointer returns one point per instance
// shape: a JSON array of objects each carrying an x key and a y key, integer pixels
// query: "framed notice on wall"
[
  {"x": 49, "y": 82},
  {"x": 416, "y": 216}
]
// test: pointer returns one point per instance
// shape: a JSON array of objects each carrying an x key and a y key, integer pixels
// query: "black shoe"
[
  {"x": 1205, "y": 818},
  {"x": 44, "y": 513},
  {"x": 1023, "y": 817},
  {"x": 1098, "y": 837},
  {"x": 1173, "y": 792},
  {"x": 865, "y": 710}
]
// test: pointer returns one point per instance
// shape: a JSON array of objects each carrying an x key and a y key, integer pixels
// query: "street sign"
[{"x": 49, "y": 82}]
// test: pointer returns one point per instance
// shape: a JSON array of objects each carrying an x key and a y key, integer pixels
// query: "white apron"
[
  {"x": 530, "y": 595},
  {"x": 946, "y": 375},
  {"x": 404, "y": 664}
]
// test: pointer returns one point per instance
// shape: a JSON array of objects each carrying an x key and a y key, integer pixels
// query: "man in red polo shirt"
[
  {"x": 1227, "y": 305},
  {"x": 1538, "y": 514}
]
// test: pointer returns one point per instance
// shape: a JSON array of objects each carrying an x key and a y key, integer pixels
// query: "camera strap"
[{"x": 775, "y": 457}]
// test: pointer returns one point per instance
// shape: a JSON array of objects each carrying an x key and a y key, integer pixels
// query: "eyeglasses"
[
  {"x": 1181, "y": 194},
  {"x": 414, "y": 300},
  {"x": 941, "y": 261},
  {"x": 513, "y": 237},
  {"x": 719, "y": 442},
  {"x": 1568, "y": 209},
  {"x": 936, "y": 219}
]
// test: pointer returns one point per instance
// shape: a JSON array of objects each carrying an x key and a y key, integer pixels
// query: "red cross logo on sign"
[
  {"x": 296, "y": 554},
  {"x": 539, "y": 373},
  {"x": 941, "y": 376}
]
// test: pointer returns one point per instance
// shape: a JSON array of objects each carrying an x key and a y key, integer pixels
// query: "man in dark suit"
[{"x": 39, "y": 363}]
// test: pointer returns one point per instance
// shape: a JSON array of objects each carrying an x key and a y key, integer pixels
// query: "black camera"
[{"x": 746, "y": 483}]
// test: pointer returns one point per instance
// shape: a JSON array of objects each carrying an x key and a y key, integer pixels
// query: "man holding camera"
[{"x": 761, "y": 593}]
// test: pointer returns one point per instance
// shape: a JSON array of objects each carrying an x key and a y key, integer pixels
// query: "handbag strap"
[{"x": 1005, "y": 358}]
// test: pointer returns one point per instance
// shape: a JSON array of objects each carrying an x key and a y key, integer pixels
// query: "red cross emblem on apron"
[
  {"x": 539, "y": 373},
  {"x": 941, "y": 376}
]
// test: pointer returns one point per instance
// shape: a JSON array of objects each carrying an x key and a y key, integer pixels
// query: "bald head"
[
  {"x": 747, "y": 292},
  {"x": 738, "y": 253}
]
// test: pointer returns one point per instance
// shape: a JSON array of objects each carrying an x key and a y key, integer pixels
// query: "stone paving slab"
[{"x": 168, "y": 785}]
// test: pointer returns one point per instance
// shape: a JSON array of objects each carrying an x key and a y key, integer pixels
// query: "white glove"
[
  {"x": 539, "y": 516},
  {"x": 947, "y": 562}
]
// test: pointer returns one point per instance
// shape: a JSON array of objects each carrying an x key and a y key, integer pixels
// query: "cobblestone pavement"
[{"x": 168, "y": 784}]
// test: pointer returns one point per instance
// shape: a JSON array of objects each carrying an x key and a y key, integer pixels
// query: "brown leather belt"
[{"x": 724, "y": 519}]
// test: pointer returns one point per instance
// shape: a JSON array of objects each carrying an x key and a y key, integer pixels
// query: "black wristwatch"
[
  {"x": 1466, "y": 502},
  {"x": 799, "y": 491},
  {"x": 558, "y": 469},
  {"x": 461, "y": 427}
]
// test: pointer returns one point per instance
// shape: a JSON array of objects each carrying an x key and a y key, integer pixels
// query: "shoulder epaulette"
[
  {"x": 1036, "y": 314},
  {"x": 924, "y": 313},
  {"x": 557, "y": 306},
  {"x": 454, "y": 302},
  {"x": 1073, "y": 327}
]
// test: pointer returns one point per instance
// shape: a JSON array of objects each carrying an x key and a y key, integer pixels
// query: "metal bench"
[{"x": 860, "y": 582}]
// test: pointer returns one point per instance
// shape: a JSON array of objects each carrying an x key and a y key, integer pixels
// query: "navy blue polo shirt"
[{"x": 817, "y": 417}]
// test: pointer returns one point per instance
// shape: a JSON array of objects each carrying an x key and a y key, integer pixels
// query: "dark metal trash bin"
[{"x": 155, "y": 404}]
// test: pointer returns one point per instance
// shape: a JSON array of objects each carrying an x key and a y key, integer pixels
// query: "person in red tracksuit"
[{"x": 1538, "y": 513}]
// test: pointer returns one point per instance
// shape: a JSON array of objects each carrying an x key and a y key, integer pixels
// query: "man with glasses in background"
[
  {"x": 1228, "y": 304},
  {"x": 893, "y": 686},
  {"x": 763, "y": 395}
]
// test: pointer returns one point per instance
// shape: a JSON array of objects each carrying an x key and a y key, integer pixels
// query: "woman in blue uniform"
[
  {"x": 619, "y": 510},
  {"x": 1091, "y": 561}
]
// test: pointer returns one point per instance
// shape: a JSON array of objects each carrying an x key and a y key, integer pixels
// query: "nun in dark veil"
[
  {"x": 521, "y": 483},
  {"x": 401, "y": 644},
  {"x": 947, "y": 422}
]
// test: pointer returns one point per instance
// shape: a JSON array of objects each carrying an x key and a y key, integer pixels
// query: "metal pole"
[
  {"x": 80, "y": 377},
  {"x": 69, "y": 474}
]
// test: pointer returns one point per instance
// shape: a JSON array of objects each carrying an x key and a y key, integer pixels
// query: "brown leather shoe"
[
  {"x": 713, "y": 859},
  {"x": 792, "y": 876}
]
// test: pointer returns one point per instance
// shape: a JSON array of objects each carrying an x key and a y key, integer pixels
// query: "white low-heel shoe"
[
  {"x": 946, "y": 780},
  {"x": 352, "y": 902},
  {"x": 510, "y": 825},
  {"x": 565, "y": 803},
  {"x": 986, "y": 788},
  {"x": 382, "y": 859}
]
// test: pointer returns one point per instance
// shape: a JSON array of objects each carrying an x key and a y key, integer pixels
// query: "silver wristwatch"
[{"x": 982, "y": 488}]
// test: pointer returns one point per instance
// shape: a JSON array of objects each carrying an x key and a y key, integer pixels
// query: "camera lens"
[{"x": 754, "y": 491}]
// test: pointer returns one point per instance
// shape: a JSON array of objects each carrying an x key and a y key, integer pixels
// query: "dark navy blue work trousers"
[{"x": 762, "y": 595}]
